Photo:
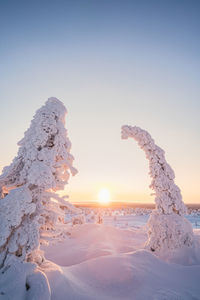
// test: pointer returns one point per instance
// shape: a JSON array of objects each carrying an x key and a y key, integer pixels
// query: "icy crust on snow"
[{"x": 168, "y": 229}]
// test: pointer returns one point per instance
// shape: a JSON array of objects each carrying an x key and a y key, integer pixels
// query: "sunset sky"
[{"x": 111, "y": 63}]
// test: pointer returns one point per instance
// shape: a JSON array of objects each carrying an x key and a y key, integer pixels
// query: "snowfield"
[{"x": 109, "y": 261}]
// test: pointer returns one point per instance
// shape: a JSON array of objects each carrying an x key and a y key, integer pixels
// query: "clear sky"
[{"x": 111, "y": 63}]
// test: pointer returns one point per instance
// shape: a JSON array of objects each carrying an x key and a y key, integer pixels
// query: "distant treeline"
[{"x": 126, "y": 205}]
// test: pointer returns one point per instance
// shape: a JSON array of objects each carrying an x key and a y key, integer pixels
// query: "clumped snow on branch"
[
  {"x": 31, "y": 213},
  {"x": 167, "y": 227}
]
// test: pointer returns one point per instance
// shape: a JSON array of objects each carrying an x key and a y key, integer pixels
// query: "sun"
[{"x": 104, "y": 196}]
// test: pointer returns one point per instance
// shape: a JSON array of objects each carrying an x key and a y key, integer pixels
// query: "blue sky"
[{"x": 111, "y": 63}]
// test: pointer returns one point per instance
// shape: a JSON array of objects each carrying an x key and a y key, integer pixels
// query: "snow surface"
[
  {"x": 109, "y": 262},
  {"x": 106, "y": 261}
]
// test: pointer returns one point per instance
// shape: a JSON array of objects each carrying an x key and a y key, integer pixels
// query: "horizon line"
[{"x": 124, "y": 202}]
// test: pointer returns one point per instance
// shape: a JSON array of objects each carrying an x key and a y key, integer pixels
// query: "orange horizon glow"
[{"x": 86, "y": 197}]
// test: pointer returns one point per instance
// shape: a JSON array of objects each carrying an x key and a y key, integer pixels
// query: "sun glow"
[{"x": 104, "y": 196}]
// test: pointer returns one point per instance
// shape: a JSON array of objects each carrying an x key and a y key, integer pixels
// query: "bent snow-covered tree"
[
  {"x": 31, "y": 212},
  {"x": 167, "y": 227}
]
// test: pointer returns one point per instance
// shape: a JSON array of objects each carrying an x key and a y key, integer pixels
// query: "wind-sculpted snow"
[
  {"x": 110, "y": 263},
  {"x": 168, "y": 229}
]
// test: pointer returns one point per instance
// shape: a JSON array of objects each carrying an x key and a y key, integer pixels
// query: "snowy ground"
[
  {"x": 109, "y": 261},
  {"x": 138, "y": 221}
]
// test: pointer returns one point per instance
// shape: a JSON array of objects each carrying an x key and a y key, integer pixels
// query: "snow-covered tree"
[
  {"x": 99, "y": 218},
  {"x": 31, "y": 212},
  {"x": 168, "y": 229}
]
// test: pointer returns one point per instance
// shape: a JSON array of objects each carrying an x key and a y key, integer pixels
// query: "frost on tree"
[
  {"x": 31, "y": 212},
  {"x": 167, "y": 227}
]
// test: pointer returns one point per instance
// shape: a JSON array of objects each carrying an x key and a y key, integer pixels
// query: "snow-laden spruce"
[
  {"x": 167, "y": 227},
  {"x": 31, "y": 213}
]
